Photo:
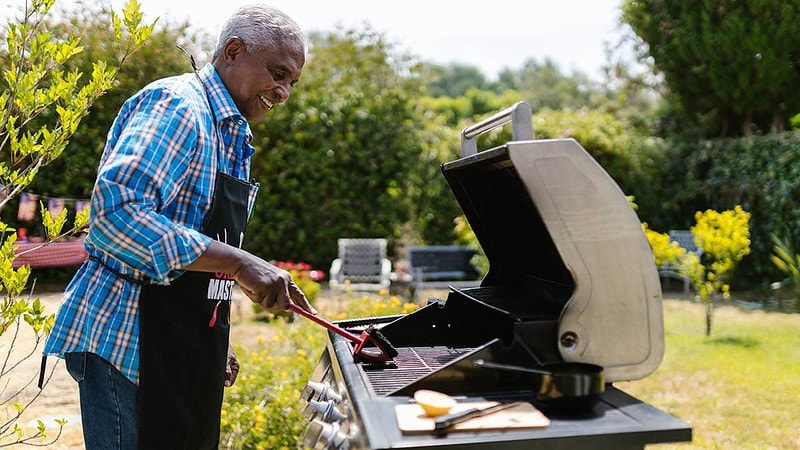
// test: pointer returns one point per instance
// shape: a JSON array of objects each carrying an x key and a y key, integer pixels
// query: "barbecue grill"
[{"x": 571, "y": 279}]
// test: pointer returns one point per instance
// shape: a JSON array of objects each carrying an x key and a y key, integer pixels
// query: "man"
[{"x": 143, "y": 325}]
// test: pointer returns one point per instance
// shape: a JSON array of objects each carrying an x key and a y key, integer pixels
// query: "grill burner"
[{"x": 411, "y": 364}]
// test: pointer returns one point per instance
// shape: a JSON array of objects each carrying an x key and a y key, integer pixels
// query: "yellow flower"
[{"x": 409, "y": 308}]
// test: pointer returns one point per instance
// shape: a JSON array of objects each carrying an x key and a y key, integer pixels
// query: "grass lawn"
[{"x": 738, "y": 388}]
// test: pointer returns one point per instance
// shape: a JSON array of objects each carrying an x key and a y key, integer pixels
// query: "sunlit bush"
[
  {"x": 725, "y": 240},
  {"x": 263, "y": 409},
  {"x": 665, "y": 252}
]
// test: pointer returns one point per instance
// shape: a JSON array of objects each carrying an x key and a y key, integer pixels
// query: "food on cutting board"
[{"x": 434, "y": 403}]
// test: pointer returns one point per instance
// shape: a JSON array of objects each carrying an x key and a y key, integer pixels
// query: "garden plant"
[
  {"x": 41, "y": 106},
  {"x": 262, "y": 410},
  {"x": 725, "y": 240},
  {"x": 788, "y": 262}
]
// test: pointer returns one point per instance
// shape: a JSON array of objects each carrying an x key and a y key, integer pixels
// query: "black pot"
[{"x": 568, "y": 387}]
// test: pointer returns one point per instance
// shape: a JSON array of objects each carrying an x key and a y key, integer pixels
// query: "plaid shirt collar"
[{"x": 222, "y": 105}]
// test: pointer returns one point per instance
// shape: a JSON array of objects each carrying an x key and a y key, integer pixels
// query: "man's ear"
[{"x": 233, "y": 48}]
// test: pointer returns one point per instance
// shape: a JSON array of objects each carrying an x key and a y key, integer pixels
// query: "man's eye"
[{"x": 277, "y": 75}]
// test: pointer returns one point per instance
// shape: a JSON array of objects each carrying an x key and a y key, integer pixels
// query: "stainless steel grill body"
[
  {"x": 618, "y": 422},
  {"x": 571, "y": 278}
]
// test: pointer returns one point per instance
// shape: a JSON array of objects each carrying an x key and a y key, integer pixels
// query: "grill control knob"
[
  {"x": 322, "y": 391},
  {"x": 325, "y": 436},
  {"x": 326, "y": 411}
]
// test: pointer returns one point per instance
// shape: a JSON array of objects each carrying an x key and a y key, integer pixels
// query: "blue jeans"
[{"x": 108, "y": 403}]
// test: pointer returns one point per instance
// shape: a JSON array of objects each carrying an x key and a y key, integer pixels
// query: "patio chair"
[
  {"x": 362, "y": 265},
  {"x": 685, "y": 239}
]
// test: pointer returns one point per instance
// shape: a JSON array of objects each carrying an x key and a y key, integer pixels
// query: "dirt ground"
[{"x": 59, "y": 398}]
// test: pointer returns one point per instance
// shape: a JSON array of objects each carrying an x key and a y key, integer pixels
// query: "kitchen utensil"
[
  {"x": 563, "y": 386},
  {"x": 382, "y": 352},
  {"x": 442, "y": 423}
]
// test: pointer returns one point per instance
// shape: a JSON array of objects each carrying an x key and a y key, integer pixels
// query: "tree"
[
  {"x": 544, "y": 85},
  {"x": 453, "y": 80},
  {"x": 41, "y": 105},
  {"x": 725, "y": 240},
  {"x": 734, "y": 66},
  {"x": 335, "y": 160},
  {"x": 159, "y": 57}
]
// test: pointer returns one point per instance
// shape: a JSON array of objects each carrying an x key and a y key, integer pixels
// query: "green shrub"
[
  {"x": 465, "y": 236},
  {"x": 762, "y": 174},
  {"x": 665, "y": 252},
  {"x": 344, "y": 169},
  {"x": 262, "y": 410},
  {"x": 725, "y": 240},
  {"x": 787, "y": 260}
]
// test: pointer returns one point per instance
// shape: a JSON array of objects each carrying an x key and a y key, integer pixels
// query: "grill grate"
[{"x": 411, "y": 364}]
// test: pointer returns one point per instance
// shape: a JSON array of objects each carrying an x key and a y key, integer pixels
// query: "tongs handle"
[
  {"x": 443, "y": 423},
  {"x": 521, "y": 127},
  {"x": 336, "y": 329}
]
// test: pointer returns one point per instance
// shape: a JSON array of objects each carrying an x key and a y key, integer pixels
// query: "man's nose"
[{"x": 283, "y": 91}]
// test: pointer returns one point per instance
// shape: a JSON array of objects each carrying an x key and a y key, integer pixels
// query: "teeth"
[{"x": 265, "y": 101}]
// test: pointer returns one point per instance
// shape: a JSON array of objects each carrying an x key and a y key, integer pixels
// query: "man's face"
[{"x": 259, "y": 80}]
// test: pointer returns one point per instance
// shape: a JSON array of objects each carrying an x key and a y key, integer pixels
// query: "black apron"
[{"x": 183, "y": 340}]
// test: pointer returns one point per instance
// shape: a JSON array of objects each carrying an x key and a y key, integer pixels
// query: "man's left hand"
[{"x": 231, "y": 368}]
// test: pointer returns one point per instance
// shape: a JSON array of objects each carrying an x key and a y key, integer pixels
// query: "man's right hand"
[{"x": 271, "y": 287}]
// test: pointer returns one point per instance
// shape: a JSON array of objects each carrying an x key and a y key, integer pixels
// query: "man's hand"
[
  {"x": 265, "y": 284},
  {"x": 271, "y": 287},
  {"x": 231, "y": 368}
]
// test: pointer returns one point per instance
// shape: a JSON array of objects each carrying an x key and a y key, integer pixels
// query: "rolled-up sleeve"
[{"x": 144, "y": 213}]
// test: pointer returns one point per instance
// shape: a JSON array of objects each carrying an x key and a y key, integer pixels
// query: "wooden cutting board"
[{"x": 411, "y": 419}]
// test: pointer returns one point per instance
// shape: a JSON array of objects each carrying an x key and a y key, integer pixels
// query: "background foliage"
[
  {"x": 734, "y": 66},
  {"x": 262, "y": 409},
  {"x": 336, "y": 160},
  {"x": 356, "y": 151},
  {"x": 760, "y": 173},
  {"x": 42, "y": 102},
  {"x": 73, "y": 176}
]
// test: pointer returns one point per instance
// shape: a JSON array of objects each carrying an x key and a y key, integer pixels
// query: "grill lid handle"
[{"x": 521, "y": 127}]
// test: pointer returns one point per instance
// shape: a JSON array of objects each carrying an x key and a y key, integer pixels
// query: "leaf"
[
  {"x": 82, "y": 219},
  {"x": 117, "y": 24},
  {"x": 53, "y": 225},
  {"x": 132, "y": 15},
  {"x": 779, "y": 263}
]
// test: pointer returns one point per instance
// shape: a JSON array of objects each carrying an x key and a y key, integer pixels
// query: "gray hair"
[{"x": 261, "y": 26}]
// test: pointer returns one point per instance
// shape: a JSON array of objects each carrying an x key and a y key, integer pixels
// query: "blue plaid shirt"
[{"x": 153, "y": 193}]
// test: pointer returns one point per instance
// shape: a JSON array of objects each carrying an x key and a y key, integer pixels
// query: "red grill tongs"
[{"x": 383, "y": 351}]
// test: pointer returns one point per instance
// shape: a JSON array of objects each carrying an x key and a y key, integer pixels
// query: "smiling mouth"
[{"x": 266, "y": 102}]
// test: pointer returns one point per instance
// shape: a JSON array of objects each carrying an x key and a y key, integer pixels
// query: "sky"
[{"x": 490, "y": 34}]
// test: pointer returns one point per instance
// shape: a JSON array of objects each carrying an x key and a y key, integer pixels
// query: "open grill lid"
[{"x": 552, "y": 222}]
